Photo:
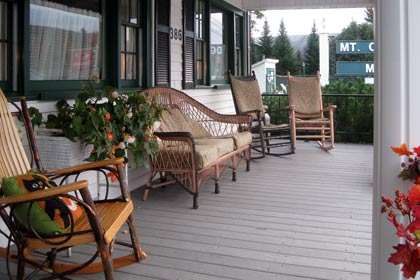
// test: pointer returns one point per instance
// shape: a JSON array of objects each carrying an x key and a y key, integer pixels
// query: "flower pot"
[{"x": 58, "y": 152}]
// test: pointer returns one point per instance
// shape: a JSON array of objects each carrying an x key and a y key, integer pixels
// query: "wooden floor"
[{"x": 303, "y": 216}]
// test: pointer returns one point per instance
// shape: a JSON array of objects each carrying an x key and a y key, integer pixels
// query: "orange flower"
[
  {"x": 107, "y": 117},
  {"x": 401, "y": 150},
  {"x": 414, "y": 195},
  {"x": 113, "y": 177}
]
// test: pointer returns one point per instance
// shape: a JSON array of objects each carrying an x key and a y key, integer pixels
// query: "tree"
[
  {"x": 298, "y": 64},
  {"x": 266, "y": 41},
  {"x": 369, "y": 14},
  {"x": 312, "y": 53},
  {"x": 254, "y": 16},
  {"x": 283, "y": 51}
]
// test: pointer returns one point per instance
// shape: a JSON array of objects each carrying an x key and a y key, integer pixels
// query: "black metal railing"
[{"x": 353, "y": 116}]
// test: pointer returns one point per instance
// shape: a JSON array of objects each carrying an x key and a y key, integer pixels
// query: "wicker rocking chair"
[
  {"x": 308, "y": 120},
  {"x": 99, "y": 223},
  {"x": 247, "y": 100}
]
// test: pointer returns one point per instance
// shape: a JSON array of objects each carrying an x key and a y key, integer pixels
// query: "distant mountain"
[{"x": 298, "y": 42}]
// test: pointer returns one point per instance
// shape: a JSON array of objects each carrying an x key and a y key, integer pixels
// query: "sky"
[{"x": 299, "y": 22}]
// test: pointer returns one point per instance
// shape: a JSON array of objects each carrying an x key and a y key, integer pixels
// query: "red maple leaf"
[
  {"x": 401, "y": 230},
  {"x": 414, "y": 195},
  {"x": 401, "y": 150},
  {"x": 417, "y": 150},
  {"x": 402, "y": 254},
  {"x": 410, "y": 270}
]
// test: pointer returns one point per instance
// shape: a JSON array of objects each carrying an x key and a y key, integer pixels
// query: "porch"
[{"x": 304, "y": 216}]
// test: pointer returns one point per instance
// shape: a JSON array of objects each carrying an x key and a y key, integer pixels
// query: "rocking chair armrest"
[
  {"x": 329, "y": 108},
  {"x": 39, "y": 195},
  {"x": 251, "y": 111},
  {"x": 86, "y": 166}
]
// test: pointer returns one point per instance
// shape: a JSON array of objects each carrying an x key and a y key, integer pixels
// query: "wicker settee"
[{"x": 195, "y": 143}]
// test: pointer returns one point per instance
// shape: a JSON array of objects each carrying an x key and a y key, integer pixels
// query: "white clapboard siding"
[{"x": 176, "y": 44}]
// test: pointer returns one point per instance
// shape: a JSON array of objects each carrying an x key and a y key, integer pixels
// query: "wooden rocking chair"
[{"x": 99, "y": 224}]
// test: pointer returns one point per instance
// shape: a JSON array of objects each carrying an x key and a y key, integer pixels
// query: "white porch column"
[
  {"x": 397, "y": 96},
  {"x": 324, "y": 57}
]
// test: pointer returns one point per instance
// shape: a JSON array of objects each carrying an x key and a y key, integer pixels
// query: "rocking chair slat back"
[{"x": 14, "y": 160}]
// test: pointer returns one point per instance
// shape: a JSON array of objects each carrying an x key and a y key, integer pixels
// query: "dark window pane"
[
  {"x": 125, "y": 12},
  {"x": 3, "y": 61},
  {"x": 3, "y": 21},
  {"x": 122, "y": 38},
  {"x": 134, "y": 12}
]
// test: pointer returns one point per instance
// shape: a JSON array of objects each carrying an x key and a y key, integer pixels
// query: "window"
[
  {"x": 131, "y": 34},
  {"x": 218, "y": 46},
  {"x": 65, "y": 40},
  {"x": 238, "y": 45},
  {"x": 213, "y": 43},
  {"x": 201, "y": 42}
]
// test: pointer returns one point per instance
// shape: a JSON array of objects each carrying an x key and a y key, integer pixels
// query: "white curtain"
[{"x": 65, "y": 42}]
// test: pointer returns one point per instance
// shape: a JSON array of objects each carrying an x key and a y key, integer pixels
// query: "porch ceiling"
[{"x": 251, "y": 5}]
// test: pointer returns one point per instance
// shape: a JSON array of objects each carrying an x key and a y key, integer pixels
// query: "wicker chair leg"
[
  {"x": 216, "y": 187},
  {"x": 248, "y": 159},
  {"x": 234, "y": 175},
  {"x": 195, "y": 200},
  {"x": 146, "y": 193}
]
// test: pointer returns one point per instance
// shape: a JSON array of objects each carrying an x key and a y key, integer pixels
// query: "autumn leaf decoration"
[{"x": 407, "y": 206}]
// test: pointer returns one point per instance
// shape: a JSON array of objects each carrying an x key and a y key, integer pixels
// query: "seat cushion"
[
  {"x": 48, "y": 217},
  {"x": 223, "y": 145},
  {"x": 240, "y": 139},
  {"x": 205, "y": 155}
]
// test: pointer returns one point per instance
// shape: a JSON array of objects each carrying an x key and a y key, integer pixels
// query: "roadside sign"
[
  {"x": 355, "y": 68},
  {"x": 354, "y": 47}
]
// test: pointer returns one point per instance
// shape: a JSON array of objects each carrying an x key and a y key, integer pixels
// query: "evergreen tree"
[
  {"x": 298, "y": 64},
  {"x": 255, "y": 53},
  {"x": 312, "y": 53},
  {"x": 369, "y": 14},
  {"x": 283, "y": 51},
  {"x": 266, "y": 41}
]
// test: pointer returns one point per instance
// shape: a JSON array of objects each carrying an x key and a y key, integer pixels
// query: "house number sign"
[{"x": 175, "y": 34}]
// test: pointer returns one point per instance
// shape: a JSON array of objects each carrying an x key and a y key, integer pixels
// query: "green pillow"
[{"x": 47, "y": 217}]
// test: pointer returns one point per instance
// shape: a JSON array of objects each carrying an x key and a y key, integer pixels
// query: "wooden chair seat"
[{"x": 112, "y": 216}]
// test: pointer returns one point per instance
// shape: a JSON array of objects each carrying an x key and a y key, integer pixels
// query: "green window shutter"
[
  {"x": 162, "y": 58},
  {"x": 188, "y": 75}
]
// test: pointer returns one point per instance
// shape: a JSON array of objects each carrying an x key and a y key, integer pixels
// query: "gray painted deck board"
[{"x": 303, "y": 216}]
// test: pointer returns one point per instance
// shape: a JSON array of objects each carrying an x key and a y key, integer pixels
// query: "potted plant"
[{"x": 112, "y": 123}]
